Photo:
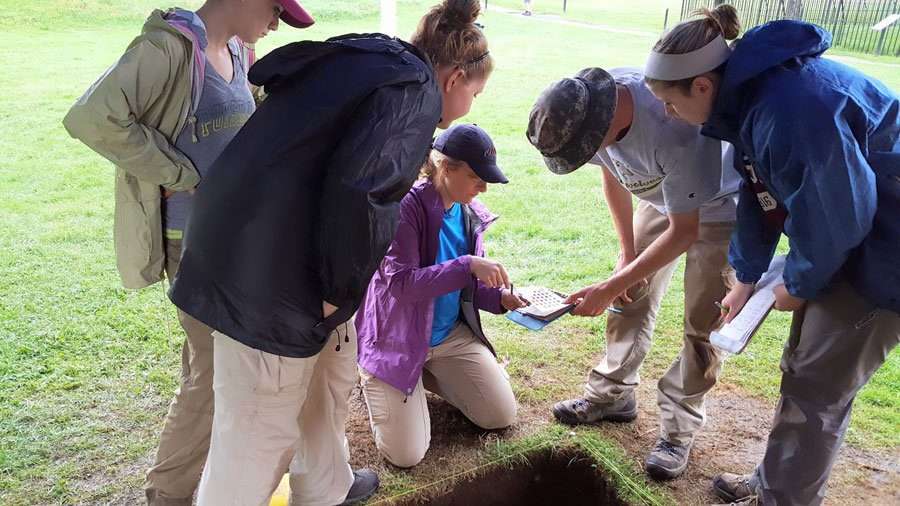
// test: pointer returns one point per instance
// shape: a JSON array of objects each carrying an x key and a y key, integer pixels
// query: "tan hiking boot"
[{"x": 735, "y": 488}]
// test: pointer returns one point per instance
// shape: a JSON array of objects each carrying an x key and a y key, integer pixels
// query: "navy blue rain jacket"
[
  {"x": 304, "y": 202},
  {"x": 825, "y": 139}
]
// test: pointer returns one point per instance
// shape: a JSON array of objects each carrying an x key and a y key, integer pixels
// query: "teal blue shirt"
[{"x": 451, "y": 244}]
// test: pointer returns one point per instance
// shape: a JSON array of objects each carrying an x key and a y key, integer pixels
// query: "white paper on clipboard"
[{"x": 734, "y": 336}]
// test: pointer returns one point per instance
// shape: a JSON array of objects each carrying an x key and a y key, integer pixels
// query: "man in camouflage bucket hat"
[
  {"x": 571, "y": 119},
  {"x": 687, "y": 205}
]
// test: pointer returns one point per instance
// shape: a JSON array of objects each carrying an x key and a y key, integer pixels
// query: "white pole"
[{"x": 389, "y": 17}]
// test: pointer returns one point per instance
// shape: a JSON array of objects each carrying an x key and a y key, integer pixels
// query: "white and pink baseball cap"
[{"x": 295, "y": 15}]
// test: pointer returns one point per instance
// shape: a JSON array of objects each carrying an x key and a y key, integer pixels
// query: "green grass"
[
  {"x": 87, "y": 368},
  {"x": 646, "y": 18},
  {"x": 629, "y": 480},
  {"x": 645, "y": 15}
]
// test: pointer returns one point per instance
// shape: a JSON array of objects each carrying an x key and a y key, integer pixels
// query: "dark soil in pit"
[{"x": 549, "y": 477}]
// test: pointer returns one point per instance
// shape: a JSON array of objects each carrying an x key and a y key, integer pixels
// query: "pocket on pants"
[
  {"x": 290, "y": 373},
  {"x": 239, "y": 366},
  {"x": 866, "y": 320},
  {"x": 639, "y": 290}
]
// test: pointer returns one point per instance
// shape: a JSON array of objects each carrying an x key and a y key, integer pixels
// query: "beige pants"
[
  {"x": 275, "y": 412},
  {"x": 184, "y": 442},
  {"x": 707, "y": 278},
  {"x": 462, "y": 371}
]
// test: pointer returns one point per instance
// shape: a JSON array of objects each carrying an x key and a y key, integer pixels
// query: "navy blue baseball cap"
[{"x": 471, "y": 144}]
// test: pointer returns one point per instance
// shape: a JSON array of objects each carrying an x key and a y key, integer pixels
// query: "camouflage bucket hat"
[{"x": 571, "y": 117}]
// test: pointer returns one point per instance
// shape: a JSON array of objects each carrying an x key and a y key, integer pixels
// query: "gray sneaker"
[
  {"x": 735, "y": 488},
  {"x": 582, "y": 411},
  {"x": 667, "y": 460},
  {"x": 365, "y": 483}
]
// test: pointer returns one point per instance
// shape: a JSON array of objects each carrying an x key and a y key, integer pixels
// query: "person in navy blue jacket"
[
  {"x": 289, "y": 227},
  {"x": 820, "y": 158}
]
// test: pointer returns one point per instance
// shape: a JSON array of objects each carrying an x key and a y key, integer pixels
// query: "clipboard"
[
  {"x": 734, "y": 336},
  {"x": 545, "y": 307},
  {"x": 529, "y": 322}
]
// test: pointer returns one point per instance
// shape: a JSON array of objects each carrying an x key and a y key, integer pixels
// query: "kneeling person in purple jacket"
[{"x": 419, "y": 326}]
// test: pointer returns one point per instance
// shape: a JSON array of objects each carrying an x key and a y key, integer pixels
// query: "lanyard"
[{"x": 775, "y": 213}]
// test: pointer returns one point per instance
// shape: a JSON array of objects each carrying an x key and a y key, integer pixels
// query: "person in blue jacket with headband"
[{"x": 820, "y": 146}]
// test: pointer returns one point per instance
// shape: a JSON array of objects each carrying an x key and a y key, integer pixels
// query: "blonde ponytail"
[{"x": 436, "y": 163}]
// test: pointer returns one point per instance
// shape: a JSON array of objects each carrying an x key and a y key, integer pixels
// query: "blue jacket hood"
[{"x": 760, "y": 49}]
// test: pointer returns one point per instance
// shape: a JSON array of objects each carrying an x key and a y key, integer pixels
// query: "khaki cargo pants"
[
  {"x": 462, "y": 371},
  {"x": 275, "y": 414},
  {"x": 184, "y": 441},
  {"x": 707, "y": 279},
  {"x": 837, "y": 342}
]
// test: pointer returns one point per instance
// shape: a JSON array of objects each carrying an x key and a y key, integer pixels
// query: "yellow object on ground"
[{"x": 282, "y": 493}]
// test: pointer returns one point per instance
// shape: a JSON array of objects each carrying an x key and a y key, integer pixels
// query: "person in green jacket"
[{"x": 162, "y": 114}]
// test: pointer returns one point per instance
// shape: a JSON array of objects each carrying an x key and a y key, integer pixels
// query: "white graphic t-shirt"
[{"x": 667, "y": 162}]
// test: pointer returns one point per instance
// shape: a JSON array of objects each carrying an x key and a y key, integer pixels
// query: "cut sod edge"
[
  {"x": 473, "y": 471},
  {"x": 622, "y": 480}
]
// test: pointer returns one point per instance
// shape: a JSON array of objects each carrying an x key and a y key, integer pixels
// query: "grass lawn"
[{"x": 87, "y": 369}]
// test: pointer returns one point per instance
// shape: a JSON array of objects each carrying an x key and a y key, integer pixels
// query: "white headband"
[{"x": 674, "y": 67}]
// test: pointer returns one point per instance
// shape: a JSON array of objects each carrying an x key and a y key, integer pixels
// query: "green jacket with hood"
[{"x": 131, "y": 116}]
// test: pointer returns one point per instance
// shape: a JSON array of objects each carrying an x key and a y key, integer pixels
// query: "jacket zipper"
[{"x": 472, "y": 232}]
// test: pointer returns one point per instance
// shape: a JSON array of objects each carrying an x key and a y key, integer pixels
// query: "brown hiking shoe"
[
  {"x": 582, "y": 411},
  {"x": 735, "y": 488}
]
